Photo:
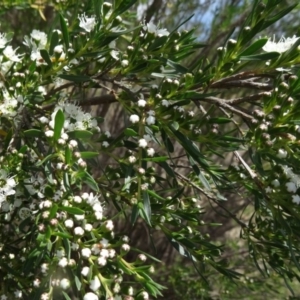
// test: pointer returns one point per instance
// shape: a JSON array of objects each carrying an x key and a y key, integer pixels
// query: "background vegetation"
[{"x": 219, "y": 210}]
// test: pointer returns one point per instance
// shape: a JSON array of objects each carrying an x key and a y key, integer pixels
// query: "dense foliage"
[{"x": 189, "y": 141}]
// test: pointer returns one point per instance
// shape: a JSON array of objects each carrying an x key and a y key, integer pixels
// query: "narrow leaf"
[
  {"x": 58, "y": 124},
  {"x": 64, "y": 30}
]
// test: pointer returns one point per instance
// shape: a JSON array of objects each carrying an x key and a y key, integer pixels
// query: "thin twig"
[
  {"x": 223, "y": 103},
  {"x": 241, "y": 223},
  {"x": 244, "y": 84}
]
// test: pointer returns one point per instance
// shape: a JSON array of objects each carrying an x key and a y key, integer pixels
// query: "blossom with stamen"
[{"x": 281, "y": 46}]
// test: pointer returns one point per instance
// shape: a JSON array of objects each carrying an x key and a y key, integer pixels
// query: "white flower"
[
  {"x": 44, "y": 120},
  {"x": 39, "y": 36},
  {"x": 88, "y": 227},
  {"x": 73, "y": 143},
  {"x": 74, "y": 246},
  {"x": 132, "y": 159},
  {"x": 86, "y": 23},
  {"x": 268, "y": 190},
  {"x": 49, "y": 133},
  {"x": 150, "y": 27},
  {"x": 7, "y": 186},
  {"x": 18, "y": 294},
  {"x": 114, "y": 54},
  {"x": 134, "y": 119},
  {"x": 64, "y": 283},
  {"x": 45, "y": 296},
  {"x": 85, "y": 271},
  {"x": 95, "y": 284},
  {"x": 296, "y": 199},
  {"x": 58, "y": 49},
  {"x": 112, "y": 253},
  {"x": 69, "y": 223},
  {"x": 124, "y": 63},
  {"x": 60, "y": 253},
  {"x": 90, "y": 296},
  {"x": 143, "y": 143},
  {"x": 86, "y": 252},
  {"x": 275, "y": 183},
  {"x": 150, "y": 152},
  {"x": 63, "y": 262},
  {"x": 101, "y": 261},
  {"x": 150, "y": 120},
  {"x": 104, "y": 253},
  {"x": 109, "y": 225},
  {"x": 291, "y": 187},
  {"x": 282, "y": 153},
  {"x": 281, "y": 46},
  {"x": 147, "y": 137},
  {"x": 79, "y": 231},
  {"x": 3, "y": 40},
  {"x": 10, "y": 53},
  {"x": 44, "y": 268},
  {"x": 36, "y": 282},
  {"x": 98, "y": 215},
  {"x": 165, "y": 103},
  {"x": 145, "y": 295},
  {"x": 142, "y": 103},
  {"x": 125, "y": 247},
  {"x": 105, "y": 144}
]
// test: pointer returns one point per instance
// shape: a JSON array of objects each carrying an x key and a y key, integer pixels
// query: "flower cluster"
[{"x": 281, "y": 46}]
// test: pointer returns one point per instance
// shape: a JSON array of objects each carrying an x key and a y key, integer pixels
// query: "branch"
[
  {"x": 241, "y": 223},
  {"x": 244, "y": 84},
  {"x": 244, "y": 75},
  {"x": 223, "y": 103}
]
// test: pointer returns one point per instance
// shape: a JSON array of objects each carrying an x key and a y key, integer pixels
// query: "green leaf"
[
  {"x": 68, "y": 155},
  {"x": 72, "y": 210},
  {"x": 62, "y": 234},
  {"x": 177, "y": 67},
  {"x": 186, "y": 20},
  {"x": 175, "y": 125},
  {"x": 167, "y": 168},
  {"x": 49, "y": 191},
  {"x": 45, "y": 55},
  {"x": 254, "y": 47},
  {"x": 153, "y": 194},
  {"x": 122, "y": 6},
  {"x": 66, "y": 243},
  {"x": 53, "y": 210},
  {"x": 219, "y": 120},
  {"x": 75, "y": 78},
  {"x": 90, "y": 181},
  {"x": 200, "y": 175},
  {"x": 80, "y": 134},
  {"x": 53, "y": 42},
  {"x": 156, "y": 158},
  {"x": 58, "y": 124},
  {"x": 88, "y": 154},
  {"x": 147, "y": 207},
  {"x": 278, "y": 16},
  {"x": 78, "y": 283},
  {"x": 66, "y": 181},
  {"x": 66, "y": 295},
  {"x": 158, "y": 42},
  {"x": 134, "y": 214},
  {"x": 64, "y": 29},
  {"x": 97, "y": 8},
  {"x": 260, "y": 57},
  {"x": 33, "y": 133},
  {"x": 130, "y": 132}
]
